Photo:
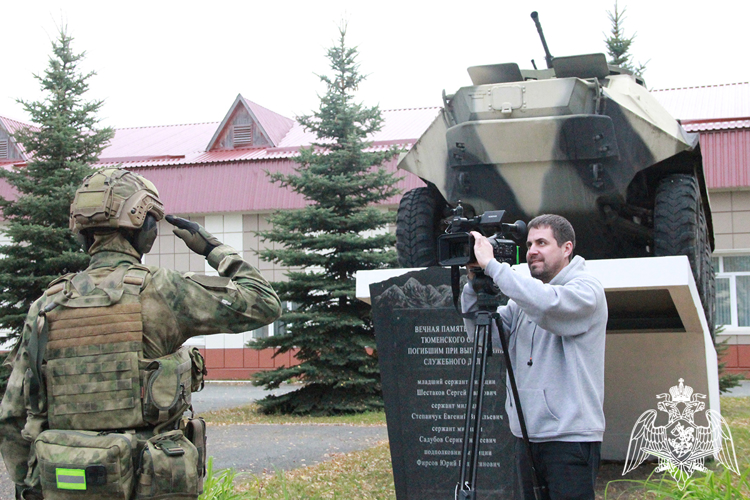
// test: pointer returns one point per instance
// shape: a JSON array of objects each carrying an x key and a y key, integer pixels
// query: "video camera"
[{"x": 456, "y": 246}]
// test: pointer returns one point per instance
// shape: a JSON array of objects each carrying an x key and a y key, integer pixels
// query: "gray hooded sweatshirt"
[{"x": 561, "y": 327}]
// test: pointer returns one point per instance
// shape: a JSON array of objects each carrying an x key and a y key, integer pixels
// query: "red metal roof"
[
  {"x": 721, "y": 114},
  {"x": 186, "y": 144},
  {"x": 275, "y": 125},
  {"x": 400, "y": 126},
  {"x": 144, "y": 143},
  {"x": 712, "y": 124},
  {"x": 6, "y": 191},
  {"x": 193, "y": 180},
  {"x": 726, "y": 158},
  {"x": 237, "y": 187},
  {"x": 710, "y": 102}
]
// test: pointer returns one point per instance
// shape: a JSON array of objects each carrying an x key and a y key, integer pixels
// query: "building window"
[
  {"x": 228, "y": 229},
  {"x": 261, "y": 333},
  {"x": 278, "y": 327},
  {"x": 732, "y": 290},
  {"x": 4, "y": 149},
  {"x": 243, "y": 135}
]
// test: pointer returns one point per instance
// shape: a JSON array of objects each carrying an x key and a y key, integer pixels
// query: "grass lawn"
[
  {"x": 249, "y": 414},
  {"x": 367, "y": 475}
]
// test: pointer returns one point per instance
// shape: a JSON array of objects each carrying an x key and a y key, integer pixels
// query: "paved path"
[
  {"x": 742, "y": 390},
  {"x": 218, "y": 395},
  {"x": 257, "y": 448},
  {"x": 261, "y": 448}
]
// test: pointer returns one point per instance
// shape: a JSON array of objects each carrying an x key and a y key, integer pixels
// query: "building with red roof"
[{"x": 215, "y": 173}]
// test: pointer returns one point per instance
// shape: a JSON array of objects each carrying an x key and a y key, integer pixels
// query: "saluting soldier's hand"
[{"x": 194, "y": 235}]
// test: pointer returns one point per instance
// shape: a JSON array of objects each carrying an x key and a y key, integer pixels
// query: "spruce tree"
[
  {"x": 62, "y": 146},
  {"x": 340, "y": 231},
  {"x": 618, "y": 44}
]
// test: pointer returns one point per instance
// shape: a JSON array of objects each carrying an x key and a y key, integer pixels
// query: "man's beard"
[{"x": 545, "y": 274}]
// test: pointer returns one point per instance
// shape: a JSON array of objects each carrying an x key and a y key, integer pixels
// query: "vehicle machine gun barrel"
[{"x": 547, "y": 56}]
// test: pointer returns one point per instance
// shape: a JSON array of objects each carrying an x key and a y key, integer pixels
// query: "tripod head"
[{"x": 489, "y": 296}]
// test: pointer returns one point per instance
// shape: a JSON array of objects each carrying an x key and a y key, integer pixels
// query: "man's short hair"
[{"x": 562, "y": 230}]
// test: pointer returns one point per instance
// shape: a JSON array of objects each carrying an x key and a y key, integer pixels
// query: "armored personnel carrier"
[{"x": 583, "y": 139}]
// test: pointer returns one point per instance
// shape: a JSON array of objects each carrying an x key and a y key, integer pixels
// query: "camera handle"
[{"x": 466, "y": 488}]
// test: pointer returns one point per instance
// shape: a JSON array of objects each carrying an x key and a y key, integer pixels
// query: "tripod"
[{"x": 484, "y": 318}]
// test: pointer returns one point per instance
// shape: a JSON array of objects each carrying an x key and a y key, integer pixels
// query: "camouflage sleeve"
[
  {"x": 238, "y": 300},
  {"x": 13, "y": 446}
]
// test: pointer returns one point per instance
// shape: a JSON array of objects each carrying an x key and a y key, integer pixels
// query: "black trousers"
[{"x": 566, "y": 470}]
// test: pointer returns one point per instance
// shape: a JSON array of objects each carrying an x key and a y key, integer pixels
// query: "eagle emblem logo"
[{"x": 681, "y": 446}]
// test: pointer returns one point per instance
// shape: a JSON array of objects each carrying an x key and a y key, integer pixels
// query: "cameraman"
[{"x": 556, "y": 323}]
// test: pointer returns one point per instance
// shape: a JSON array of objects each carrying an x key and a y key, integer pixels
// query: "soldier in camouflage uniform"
[{"x": 174, "y": 306}]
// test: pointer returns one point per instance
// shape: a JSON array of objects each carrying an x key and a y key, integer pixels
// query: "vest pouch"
[
  {"x": 167, "y": 383},
  {"x": 169, "y": 468},
  {"x": 199, "y": 369},
  {"x": 195, "y": 431},
  {"x": 76, "y": 465},
  {"x": 100, "y": 391}
]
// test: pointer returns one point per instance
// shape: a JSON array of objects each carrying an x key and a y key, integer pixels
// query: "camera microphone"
[{"x": 517, "y": 229}]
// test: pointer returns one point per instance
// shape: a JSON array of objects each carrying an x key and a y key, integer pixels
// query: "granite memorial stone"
[{"x": 425, "y": 364}]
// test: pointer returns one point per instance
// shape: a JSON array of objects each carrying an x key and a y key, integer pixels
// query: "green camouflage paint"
[{"x": 175, "y": 307}]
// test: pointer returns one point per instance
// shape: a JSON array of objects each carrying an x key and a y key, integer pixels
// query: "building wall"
[
  {"x": 731, "y": 260},
  {"x": 4, "y": 347},
  {"x": 227, "y": 355},
  {"x": 731, "y": 217}
]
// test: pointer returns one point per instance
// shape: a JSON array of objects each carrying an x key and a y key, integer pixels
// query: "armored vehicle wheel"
[
  {"x": 417, "y": 228},
  {"x": 680, "y": 229},
  {"x": 709, "y": 278}
]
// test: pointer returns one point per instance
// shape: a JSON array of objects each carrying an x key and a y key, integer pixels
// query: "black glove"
[{"x": 194, "y": 235}]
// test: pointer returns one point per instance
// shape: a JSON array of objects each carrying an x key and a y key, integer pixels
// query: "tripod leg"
[
  {"x": 538, "y": 489},
  {"x": 479, "y": 332},
  {"x": 486, "y": 348},
  {"x": 466, "y": 489}
]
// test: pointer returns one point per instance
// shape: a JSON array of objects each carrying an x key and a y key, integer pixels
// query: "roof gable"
[
  {"x": 9, "y": 149},
  {"x": 249, "y": 125}
]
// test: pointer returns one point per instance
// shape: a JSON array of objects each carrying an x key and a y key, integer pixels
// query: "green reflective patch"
[{"x": 71, "y": 479}]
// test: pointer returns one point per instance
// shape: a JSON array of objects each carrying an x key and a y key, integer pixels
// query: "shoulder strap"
[
  {"x": 135, "y": 279},
  {"x": 37, "y": 347}
]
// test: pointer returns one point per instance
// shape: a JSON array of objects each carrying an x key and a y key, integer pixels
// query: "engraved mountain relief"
[{"x": 414, "y": 295}]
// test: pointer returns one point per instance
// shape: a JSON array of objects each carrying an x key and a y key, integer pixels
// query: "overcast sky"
[{"x": 163, "y": 62}]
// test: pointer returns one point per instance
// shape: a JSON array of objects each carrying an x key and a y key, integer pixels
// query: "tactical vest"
[
  {"x": 96, "y": 375},
  {"x": 115, "y": 418}
]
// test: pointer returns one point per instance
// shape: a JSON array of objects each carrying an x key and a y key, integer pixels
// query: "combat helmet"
[{"x": 113, "y": 198}]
